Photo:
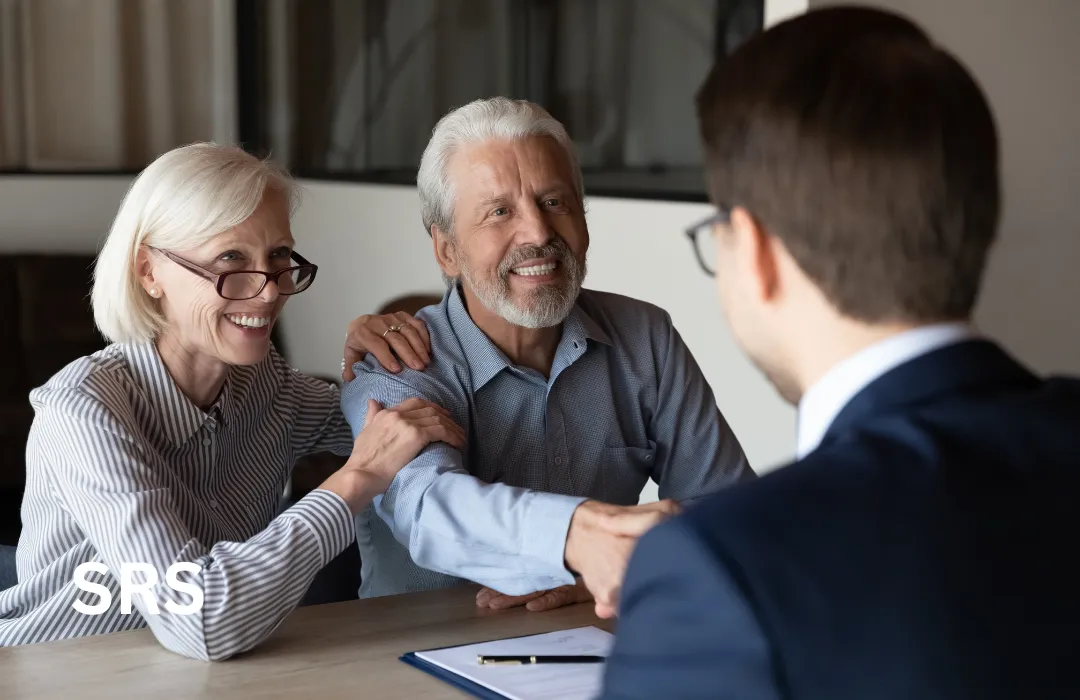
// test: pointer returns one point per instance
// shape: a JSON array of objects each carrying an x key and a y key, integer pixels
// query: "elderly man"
[{"x": 572, "y": 399}]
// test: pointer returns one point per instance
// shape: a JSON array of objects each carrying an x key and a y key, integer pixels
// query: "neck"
[
  {"x": 198, "y": 376},
  {"x": 830, "y": 344},
  {"x": 525, "y": 347}
]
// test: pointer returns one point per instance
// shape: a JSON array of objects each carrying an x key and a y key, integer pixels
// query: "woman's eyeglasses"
[
  {"x": 248, "y": 284},
  {"x": 702, "y": 236}
]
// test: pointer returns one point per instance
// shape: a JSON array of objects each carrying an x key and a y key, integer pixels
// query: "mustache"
[{"x": 556, "y": 249}]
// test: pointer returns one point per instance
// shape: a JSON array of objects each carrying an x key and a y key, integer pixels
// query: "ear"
[
  {"x": 445, "y": 252},
  {"x": 144, "y": 270},
  {"x": 757, "y": 254}
]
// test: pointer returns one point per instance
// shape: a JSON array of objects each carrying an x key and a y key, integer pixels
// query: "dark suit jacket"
[{"x": 923, "y": 551}]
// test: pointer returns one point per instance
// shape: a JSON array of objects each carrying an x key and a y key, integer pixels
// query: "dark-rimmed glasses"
[
  {"x": 239, "y": 285},
  {"x": 702, "y": 237}
]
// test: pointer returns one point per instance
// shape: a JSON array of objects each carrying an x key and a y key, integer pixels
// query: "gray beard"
[{"x": 548, "y": 306}]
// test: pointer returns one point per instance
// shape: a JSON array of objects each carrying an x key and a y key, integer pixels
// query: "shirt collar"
[
  {"x": 176, "y": 416},
  {"x": 485, "y": 360},
  {"x": 825, "y": 399}
]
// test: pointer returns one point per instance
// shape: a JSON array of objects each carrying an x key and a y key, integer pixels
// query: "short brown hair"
[{"x": 869, "y": 151}]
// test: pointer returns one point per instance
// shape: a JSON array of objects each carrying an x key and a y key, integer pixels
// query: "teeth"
[
  {"x": 535, "y": 269},
  {"x": 248, "y": 321}
]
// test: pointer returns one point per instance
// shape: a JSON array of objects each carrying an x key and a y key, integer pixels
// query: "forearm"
[
  {"x": 507, "y": 538},
  {"x": 250, "y": 587}
]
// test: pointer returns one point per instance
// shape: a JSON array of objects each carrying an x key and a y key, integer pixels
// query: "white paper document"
[{"x": 533, "y": 681}]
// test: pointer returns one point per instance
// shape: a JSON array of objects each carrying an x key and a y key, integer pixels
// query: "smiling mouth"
[
  {"x": 249, "y": 321},
  {"x": 535, "y": 270}
]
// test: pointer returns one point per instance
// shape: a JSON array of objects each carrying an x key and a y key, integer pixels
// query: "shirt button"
[
  {"x": 648, "y": 458},
  {"x": 206, "y": 442},
  {"x": 558, "y": 460},
  {"x": 213, "y": 503}
]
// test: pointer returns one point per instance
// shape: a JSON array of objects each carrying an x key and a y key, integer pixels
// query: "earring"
[{"x": 154, "y": 292}]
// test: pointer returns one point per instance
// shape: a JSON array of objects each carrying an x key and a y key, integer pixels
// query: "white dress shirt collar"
[{"x": 827, "y": 397}]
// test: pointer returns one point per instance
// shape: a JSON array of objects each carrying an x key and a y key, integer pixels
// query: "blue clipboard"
[{"x": 459, "y": 682}]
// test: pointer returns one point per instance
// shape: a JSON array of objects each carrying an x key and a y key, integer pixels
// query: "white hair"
[
  {"x": 180, "y": 201},
  {"x": 492, "y": 119}
]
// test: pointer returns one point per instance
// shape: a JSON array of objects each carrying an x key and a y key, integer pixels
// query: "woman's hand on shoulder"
[
  {"x": 385, "y": 336},
  {"x": 390, "y": 439}
]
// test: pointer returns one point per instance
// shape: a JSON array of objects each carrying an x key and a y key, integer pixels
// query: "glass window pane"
[{"x": 359, "y": 84}]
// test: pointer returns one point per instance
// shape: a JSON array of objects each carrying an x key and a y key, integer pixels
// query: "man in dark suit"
[{"x": 919, "y": 546}]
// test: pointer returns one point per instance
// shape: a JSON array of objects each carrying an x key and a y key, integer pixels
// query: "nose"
[
  {"x": 269, "y": 292},
  {"x": 533, "y": 227}
]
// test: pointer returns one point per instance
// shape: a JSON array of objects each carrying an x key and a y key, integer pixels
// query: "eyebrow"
[
  {"x": 553, "y": 188},
  {"x": 493, "y": 199},
  {"x": 234, "y": 247}
]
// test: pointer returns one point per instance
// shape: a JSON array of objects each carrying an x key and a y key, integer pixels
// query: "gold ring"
[{"x": 392, "y": 329}]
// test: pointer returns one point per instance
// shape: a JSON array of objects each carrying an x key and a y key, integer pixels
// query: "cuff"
[
  {"x": 547, "y": 522},
  {"x": 328, "y": 517}
]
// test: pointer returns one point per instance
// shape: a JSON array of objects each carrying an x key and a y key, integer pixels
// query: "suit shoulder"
[
  {"x": 1061, "y": 388},
  {"x": 783, "y": 495},
  {"x": 679, "y": 539}
]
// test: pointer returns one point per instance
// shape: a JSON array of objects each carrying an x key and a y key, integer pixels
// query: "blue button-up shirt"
[{"x": 625, "y": 402}]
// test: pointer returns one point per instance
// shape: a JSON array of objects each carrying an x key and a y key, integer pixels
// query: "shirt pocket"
[{"x": 625, "y": 471}]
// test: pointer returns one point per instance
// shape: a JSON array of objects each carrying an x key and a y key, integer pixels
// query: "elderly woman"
[{"x": 174, "y": 444}]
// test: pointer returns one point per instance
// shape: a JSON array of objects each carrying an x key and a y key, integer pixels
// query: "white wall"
[
  {"x": 1026, "y": 56},
  {"x": 52, "y": 214}
]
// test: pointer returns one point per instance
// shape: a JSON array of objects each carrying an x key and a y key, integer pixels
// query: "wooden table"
[{"x": 344, "y": 650}]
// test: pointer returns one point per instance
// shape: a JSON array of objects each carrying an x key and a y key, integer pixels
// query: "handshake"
[{"x": 598, "y": 547}]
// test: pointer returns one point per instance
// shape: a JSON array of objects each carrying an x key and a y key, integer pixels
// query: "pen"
[{"x": 519, "y": 660}]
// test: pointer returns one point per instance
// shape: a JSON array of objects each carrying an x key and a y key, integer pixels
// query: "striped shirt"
[
  {"x": 122, "y": 468},
  {"x": 625, "y": 402}
]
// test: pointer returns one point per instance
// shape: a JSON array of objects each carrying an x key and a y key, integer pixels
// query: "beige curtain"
[
  {"x": 12, "y": 117},
  {"x": 111, "y": 84}
]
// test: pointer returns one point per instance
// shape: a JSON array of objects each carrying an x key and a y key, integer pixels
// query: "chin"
[
  {"x": 242, "y": 355},
  {"x": 249, "y": 357},
  {"x": 245, "y": 347}
]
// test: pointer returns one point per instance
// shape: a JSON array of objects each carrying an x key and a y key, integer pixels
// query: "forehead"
[
  {"x": 267, "y": 227},
  {"x": 500, "y": 168}
]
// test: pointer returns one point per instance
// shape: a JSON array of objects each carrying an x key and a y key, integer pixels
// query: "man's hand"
[
  {"x": 600, "y": 541},
  {"x": 535, "y": 602}
]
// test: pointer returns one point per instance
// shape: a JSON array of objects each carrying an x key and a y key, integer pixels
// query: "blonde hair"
[{"x": 181, "y": 200}]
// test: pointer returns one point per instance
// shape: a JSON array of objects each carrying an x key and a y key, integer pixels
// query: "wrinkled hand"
[
  {"x": 390, "y": 439},
  {"x": 600, "y": 541},
  {"x": 368, "y": 334},
  {"x": 539, "y": 601}
]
